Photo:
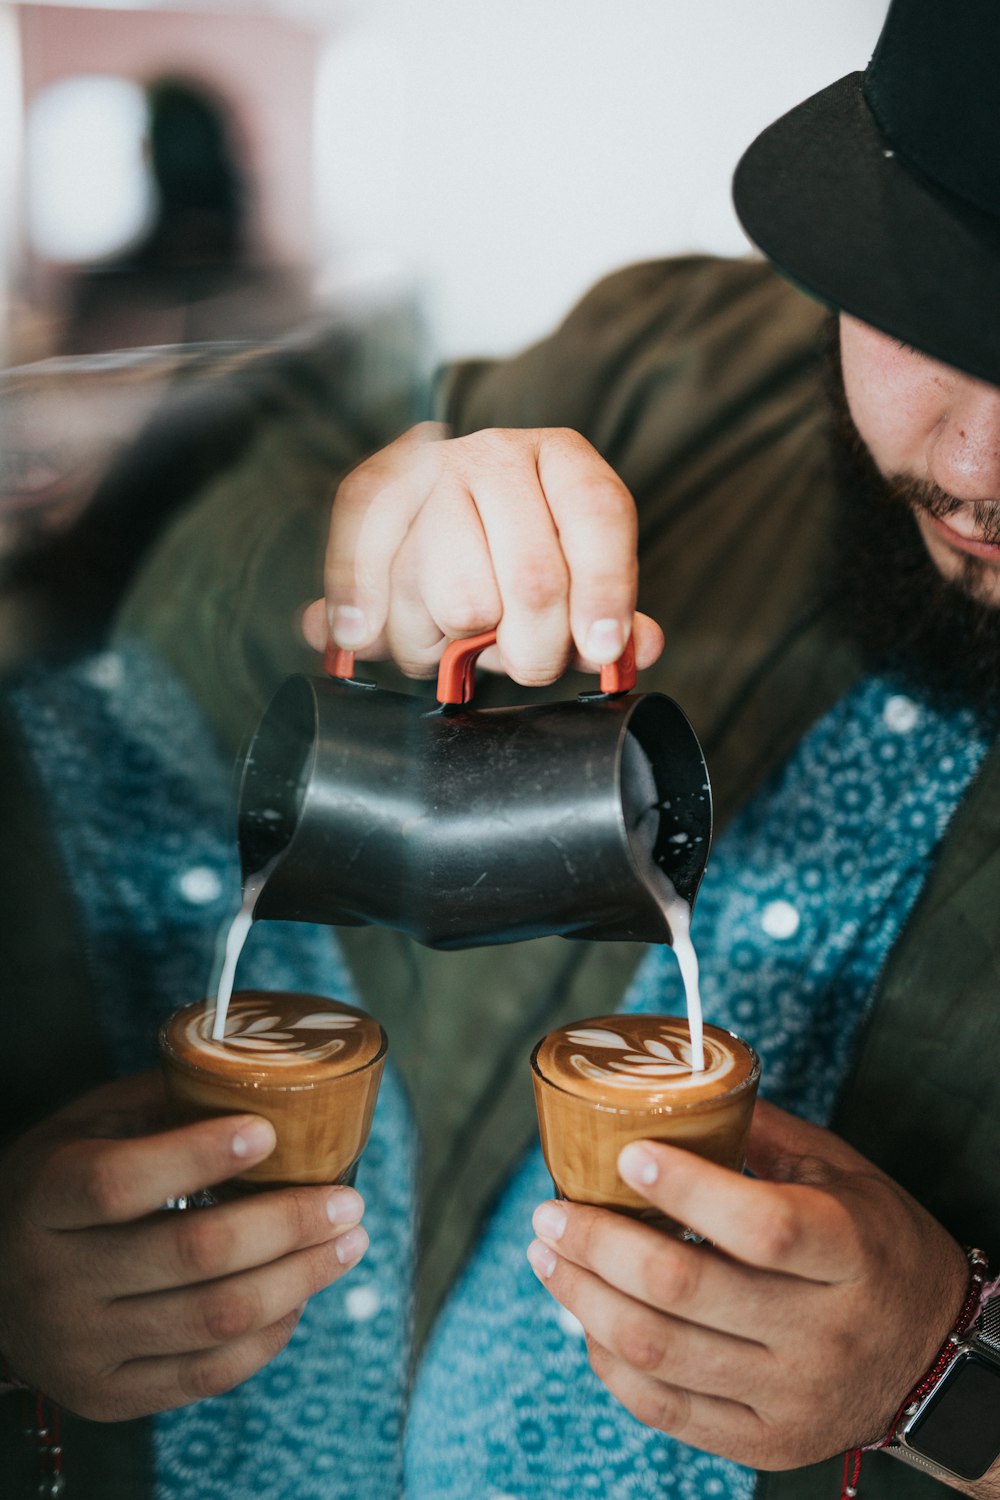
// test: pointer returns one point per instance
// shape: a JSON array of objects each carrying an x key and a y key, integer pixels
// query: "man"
[
  {"x": 880, "y": 195},
  {"x": 847, "y": 922}
]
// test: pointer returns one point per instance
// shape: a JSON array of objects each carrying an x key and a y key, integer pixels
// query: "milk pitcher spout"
[{"x": 463, "y": 826}]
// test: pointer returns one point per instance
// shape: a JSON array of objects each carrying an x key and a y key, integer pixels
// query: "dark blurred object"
[
  {"x": 198, "y": 180},
  {"x": 193, "y": 277}
]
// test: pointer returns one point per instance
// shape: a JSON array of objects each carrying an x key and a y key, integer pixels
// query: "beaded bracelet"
[
  {"x": 979, "y": 1292},
  {"x": 44, "y": 1429}
]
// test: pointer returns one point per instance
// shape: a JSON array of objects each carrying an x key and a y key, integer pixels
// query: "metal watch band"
[{"x": 987, "y": 1328}]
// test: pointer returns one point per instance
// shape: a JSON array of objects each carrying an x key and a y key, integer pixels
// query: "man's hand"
[
  {"x": 822, "y": 1299},
  {"x": 526, "y": 531},
  {"x": 115, "y": 1309}
]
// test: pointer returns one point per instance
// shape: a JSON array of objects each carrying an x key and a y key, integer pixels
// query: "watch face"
[{"x": 958, "y": 1428}]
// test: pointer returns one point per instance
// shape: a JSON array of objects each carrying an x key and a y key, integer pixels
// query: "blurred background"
[
  {"x": 491, "y": 157},
  {"x": 183, "y": 184}
]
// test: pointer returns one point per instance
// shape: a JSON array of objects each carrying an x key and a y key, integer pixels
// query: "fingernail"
[
  {"x": 549, "y": 1221},
  {"x": 254, "y": 1138},
  {"x": 541, "y": 1259},
  {"x": 348, "y": 626},
  {"x": 605, "y": 641},
  {"x": 351, "y": 1246},
  {"x": 345, "y": 1206},
  {"x": 637, "y": 1166}
]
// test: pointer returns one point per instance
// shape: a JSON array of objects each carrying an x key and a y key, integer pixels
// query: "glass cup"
[
  {"x": 310, "y": 1065},
  {"x": 604, "y": 1082}
]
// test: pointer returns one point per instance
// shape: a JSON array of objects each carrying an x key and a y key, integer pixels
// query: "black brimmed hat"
[{"x": 881, "y": 195}]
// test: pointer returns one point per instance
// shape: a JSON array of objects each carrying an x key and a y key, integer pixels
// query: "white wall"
[
  {"x": 499, "y": 155},
  {"x": 504, "y": 153}
]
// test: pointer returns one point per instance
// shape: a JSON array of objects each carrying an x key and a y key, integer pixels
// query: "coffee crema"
[{"x": 643, "y": 1061}]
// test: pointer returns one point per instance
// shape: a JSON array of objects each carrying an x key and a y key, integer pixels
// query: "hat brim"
[{"x": 826, "y": 198}]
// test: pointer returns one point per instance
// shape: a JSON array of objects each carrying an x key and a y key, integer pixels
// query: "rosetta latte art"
[
  {"x": 257, "y": 1033},
  {"x": 622, "y": 1062}
]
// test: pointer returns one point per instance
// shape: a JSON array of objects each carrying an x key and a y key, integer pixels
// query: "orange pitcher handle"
[
  {"x": 457, "y": 669},
  {"x": 337, "y": 662}
]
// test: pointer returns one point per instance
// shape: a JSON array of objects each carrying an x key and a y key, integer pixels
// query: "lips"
[{"x": 961, "y": 532}]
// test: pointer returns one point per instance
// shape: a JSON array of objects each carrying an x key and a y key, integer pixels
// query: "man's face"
[{"x": 934, "y": 435}]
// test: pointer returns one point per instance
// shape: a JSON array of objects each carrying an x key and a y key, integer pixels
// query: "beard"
[{"x": 903, "y": 617}]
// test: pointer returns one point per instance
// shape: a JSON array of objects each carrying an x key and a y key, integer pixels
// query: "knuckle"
[
  {"x": 467, "y": 613},
  {"x": 774, "y": 1234},
  {"x": 663, "y": 1407},
  {"x": 542, "y": 583},
  {"x": 565, "y": 437},
  {"x": 208, "y": 1375},
  {"x": 670, "y": 1279},
  {"x": 604, "y": 497},
  {"x": 104, "y": 1189},
  {"x": 640, "y": 1343},
  {"x": 229, "y": 1314},
  {"x": 202, "y": 1244},
  {"x": 492, "y": 440},
  {"x": 299, "y": 1212}
]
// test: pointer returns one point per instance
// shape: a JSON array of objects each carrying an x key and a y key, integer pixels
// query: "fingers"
[
  {"x": 179, "y": 1249},
  {"x": 527, "y": 557},
  {"x": 726, "y": 1428},
  {"x": 528, "y": 532},
  {"x": 231, "y": 1308},
  {"x": 443, "y": 586},
  {"x": 90, "y": 1182},
  {"x": 139, "y": 1387},
  {"x": 792, "y": 1228},
  {"x": 372, "y": 513},
  {"x": 596, "y": 522},
  {"x": 656, "y": 1269},
  {"x": 685, "y": 1354}
]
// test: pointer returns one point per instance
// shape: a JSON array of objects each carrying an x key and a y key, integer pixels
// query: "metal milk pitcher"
[{"x": 464, "y": 826}]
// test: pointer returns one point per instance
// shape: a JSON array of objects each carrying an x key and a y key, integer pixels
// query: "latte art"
[
  {"x": 629, "y": 1061},
  {"x": 270, "y": 1034},
  {"x": 258, "y": 1033},
  {"x": 612, "y": 1059}
]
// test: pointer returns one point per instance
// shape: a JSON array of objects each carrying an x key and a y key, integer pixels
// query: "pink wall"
[{"x": 263, "y": 67}]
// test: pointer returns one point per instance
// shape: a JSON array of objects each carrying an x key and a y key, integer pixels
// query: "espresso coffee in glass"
[
  {"x": 604, "y": 1082},
  {"x": 310, "y": 1065}
]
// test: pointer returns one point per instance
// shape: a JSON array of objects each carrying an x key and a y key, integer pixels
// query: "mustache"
[{"x": 925, "y": 495}]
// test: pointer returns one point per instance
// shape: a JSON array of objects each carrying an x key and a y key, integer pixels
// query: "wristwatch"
[{"x": 954, "y": 1430}]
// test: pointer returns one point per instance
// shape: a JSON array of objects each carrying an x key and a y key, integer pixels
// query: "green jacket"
[{"x": 699, "y": 382}]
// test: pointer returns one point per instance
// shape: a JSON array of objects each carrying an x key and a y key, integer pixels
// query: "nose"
[{"x": 964, "y": 455}]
